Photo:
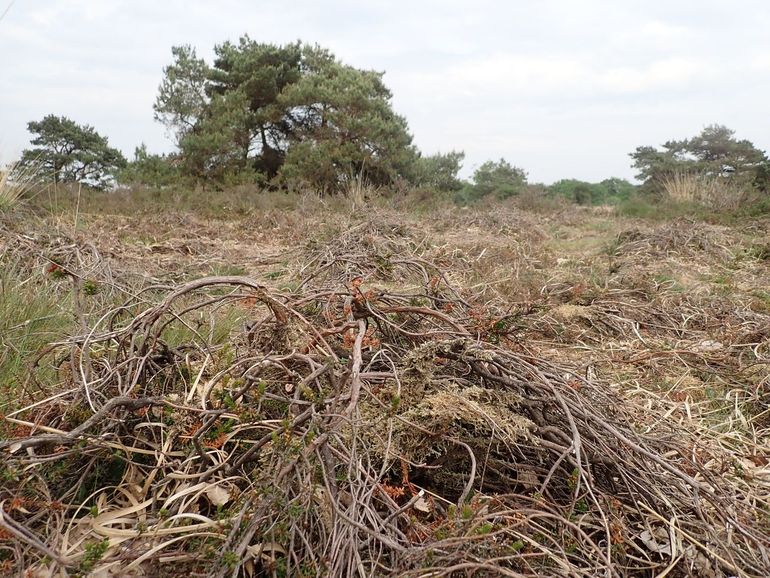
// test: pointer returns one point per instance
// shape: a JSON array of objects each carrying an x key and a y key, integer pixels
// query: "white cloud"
[
  {"x": 761, "y": 62},
  {"x": 514, "y": 74},
  {"x": 672, "y": 73},
  {"x": 555, "y": 78}
]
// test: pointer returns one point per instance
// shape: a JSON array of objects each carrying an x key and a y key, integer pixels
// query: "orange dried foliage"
[
  {"x": 395, "y": 492},
  {"x": 249, "y": 302},
  {"x": 616, "y": 532},
  {"x": 369, "y": 340},
  {"x": 482, "y": 318},
  {"x": 217, "y": 442},
  {"x": 417, "y": 533},
  {"x": 575, "y": 384},
  {"x": 404, "y": 472},
  {"x": 21, "y": 431},
  {"x": 349, "y": 339},
  {"x": 578, "y": 290},
  {"x": 192, "y": 429},
  {"x": 678, "y": 396}
]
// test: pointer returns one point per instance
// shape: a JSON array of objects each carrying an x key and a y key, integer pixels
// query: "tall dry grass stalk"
[
  {"x": 710, "y": 191},
  {"x": 357, "y": 189},
  {"x": 15, "y": 180}
]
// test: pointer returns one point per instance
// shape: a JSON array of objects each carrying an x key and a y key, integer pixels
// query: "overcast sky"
[{"x": 561, "y": 88}]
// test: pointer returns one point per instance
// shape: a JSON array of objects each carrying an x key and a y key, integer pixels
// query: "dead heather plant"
[
  {"x": 382, "y": 411},
  {"x": 684, "y": 239},
  {"x": 370, "y": 422}
]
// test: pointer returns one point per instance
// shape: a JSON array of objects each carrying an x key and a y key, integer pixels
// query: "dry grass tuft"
[
  {"x": 713, "y": 192},
  {"x": 16, "y": 180}
]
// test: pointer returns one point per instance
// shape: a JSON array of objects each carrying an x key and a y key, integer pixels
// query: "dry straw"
[
  {"x": 15, "y": 180},
  {"x": 711, "y": 191}
]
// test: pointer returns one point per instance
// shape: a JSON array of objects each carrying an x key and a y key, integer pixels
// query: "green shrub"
[
  {"x": 439, "y": 171},
  {"x": 499, "y": 179},
  {"x": 149, "y": 170},
  {"x": 610, "y": 191},
  {"x": 757, "y": 208}
]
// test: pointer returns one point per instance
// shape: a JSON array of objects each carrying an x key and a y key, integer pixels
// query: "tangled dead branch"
[{"x": 351, "y": 429}]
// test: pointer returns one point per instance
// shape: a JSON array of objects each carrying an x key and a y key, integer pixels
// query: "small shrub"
[
  {"x": 756, "y": 208},
  {"x": 646, "y": 207},
  {"x": 94, "y": 552},
  {"x": 439, "y": 171}
]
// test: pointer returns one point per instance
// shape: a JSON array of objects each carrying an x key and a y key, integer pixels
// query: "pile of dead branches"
[
  {"x": 683, "y": 238},
  {"x": 351, "y": 429}
]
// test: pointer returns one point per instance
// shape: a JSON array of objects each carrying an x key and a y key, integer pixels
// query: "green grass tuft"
[{"x": 32, "y": 314}]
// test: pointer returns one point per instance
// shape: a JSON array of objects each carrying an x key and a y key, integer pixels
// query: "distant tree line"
[
  {"x": 290, "y": 116},
  {"x": 611, "y": 190},
  {"x": 294, "y": 117}
]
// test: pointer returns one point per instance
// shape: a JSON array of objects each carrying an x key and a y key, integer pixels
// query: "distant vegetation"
[
  {"x": 66, "y": 152},
  {"x": 713, "y": 159},
  {"x": 496, "y": 178},
  {"x": 291, "y": 116},
  {"x": 150, "y": 170},
  {"x": 294, "y": 118},
  {"x": 583, "y": 193}
]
